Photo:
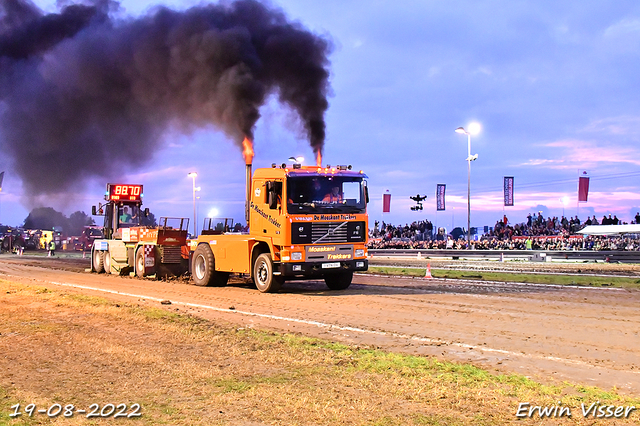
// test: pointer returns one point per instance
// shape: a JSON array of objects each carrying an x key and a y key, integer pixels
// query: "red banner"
[
  {"x": 386, "y": 203},
  {"x": 583, "y": 189}
]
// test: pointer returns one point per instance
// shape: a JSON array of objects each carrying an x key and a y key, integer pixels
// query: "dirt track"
[{"x": 550, "y": 333}]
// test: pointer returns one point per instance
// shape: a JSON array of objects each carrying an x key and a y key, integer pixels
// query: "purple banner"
[
  {"x": 440, "y": 189},
  {"x": 508, "y": 191}
]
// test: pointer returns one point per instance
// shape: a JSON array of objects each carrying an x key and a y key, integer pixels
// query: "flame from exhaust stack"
[
  {"x": 247, "y": 151},
  {"x": 319, "y": 158}
]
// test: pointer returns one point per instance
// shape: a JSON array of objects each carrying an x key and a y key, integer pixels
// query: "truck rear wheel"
[
  {"x": 263, "y": 276},
  {"x": 339, "y": 281},
  {"x": 98, "y": 261},
  {"x": 203, "y": 268}
]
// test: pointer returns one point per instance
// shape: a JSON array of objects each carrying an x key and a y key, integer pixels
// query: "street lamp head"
[
  {"x": 192, "y": 174},
  {"x": 474, "y": 128},
  {"x": 461, "y": 130}
]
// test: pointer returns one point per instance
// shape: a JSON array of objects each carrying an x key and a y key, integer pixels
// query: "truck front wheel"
[
  {"x": 203, "y": 268},
  {"x": 263, "y": 276},
  {"x": 339, "y": 281},
  {"x": 98, "y": 261}
]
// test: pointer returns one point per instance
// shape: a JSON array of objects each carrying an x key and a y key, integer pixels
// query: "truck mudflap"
[{"x": 308, "y": 269}]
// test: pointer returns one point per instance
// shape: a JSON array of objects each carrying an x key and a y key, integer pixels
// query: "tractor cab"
[{"x": 122, "y": 209}]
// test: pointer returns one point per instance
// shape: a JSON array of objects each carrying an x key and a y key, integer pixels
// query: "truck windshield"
[{"x": 325, "y": 194}]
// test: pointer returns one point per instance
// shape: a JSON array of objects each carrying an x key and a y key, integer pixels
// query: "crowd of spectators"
[
  {"x": 419, "y": 230},
  {"x": 537, "y": 233}
]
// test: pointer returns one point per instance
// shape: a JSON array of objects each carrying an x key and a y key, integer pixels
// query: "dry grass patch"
[{"x": 62, "y": 348}]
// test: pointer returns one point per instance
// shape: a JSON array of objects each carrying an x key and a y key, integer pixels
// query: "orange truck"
[
  {"x": 128, "y": 246},
  {"x": 305, "y": 222}
]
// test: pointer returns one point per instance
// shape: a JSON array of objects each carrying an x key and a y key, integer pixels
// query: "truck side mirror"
[
  {"x": 272, "y": 200},
  {"x": 366, "y": 194},
  {"x": 93, "y": 211}
]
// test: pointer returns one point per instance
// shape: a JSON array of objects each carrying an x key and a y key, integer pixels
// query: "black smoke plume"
[{"x": 84, "y": 93}]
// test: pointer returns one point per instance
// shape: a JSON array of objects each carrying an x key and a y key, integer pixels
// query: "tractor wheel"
[
  {"x": 263, "y": 276},
  {"x": 98, "y": 261},
  {"x": 203, "y": 268},
  {"x": 107, "y": 261},
  {"x": 139, "y": 265},
  {"x": 339, "y": 281}
]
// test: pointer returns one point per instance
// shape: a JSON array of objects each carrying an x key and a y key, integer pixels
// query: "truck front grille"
[
  {"x": 329, "y": 232},
  {"x": 170, "y": 254}
]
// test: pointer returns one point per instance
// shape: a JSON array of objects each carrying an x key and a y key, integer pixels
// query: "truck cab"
[{"x": 304, "y": 223}]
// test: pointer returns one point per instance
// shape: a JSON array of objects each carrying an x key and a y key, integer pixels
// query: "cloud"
[
  {"x": 625, "y": 125},
  {"x": 623, "y": 27},
  {"x": 583, "y": 154}
]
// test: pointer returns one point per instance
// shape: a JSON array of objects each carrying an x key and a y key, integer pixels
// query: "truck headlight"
[
  {"x": 296, "y": 255},
  {"x": 359, "y": 252}
]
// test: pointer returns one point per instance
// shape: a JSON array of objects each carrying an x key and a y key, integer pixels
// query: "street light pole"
[
  {"x": 470, "y": 158},
  {"x": 468, "y": 189},
  {"x": 193, "y": 175}
]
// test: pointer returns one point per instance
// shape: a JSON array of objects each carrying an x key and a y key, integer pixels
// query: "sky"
[{"x": 554, "y": 86}]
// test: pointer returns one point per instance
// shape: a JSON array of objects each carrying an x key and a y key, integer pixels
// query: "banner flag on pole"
[
  {"x": 508, "y": 191},
  {"x": 386, "y": 202},
  {"x": 1, "y": 177},
  {"x": 583, "y": 187},
  {"x": 440, "y": 190}
]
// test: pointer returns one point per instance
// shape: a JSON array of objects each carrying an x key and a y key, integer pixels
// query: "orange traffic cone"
[{"x": 427, "y": 274}]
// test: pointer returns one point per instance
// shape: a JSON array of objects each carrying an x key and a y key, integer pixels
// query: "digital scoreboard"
[{"x": 122, "y": 192}]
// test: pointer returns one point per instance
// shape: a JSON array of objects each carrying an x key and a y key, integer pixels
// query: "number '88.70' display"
[{"x": 123, "y": 192}]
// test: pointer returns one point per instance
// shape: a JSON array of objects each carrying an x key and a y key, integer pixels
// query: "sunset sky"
[{"x": 553, "y": 84}]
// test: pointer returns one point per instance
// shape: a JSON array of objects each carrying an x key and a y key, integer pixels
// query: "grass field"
[{"x": 69, "y": 349}]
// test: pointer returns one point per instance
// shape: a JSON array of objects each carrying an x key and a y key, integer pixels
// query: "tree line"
[{"x": 49, "y": 218}]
